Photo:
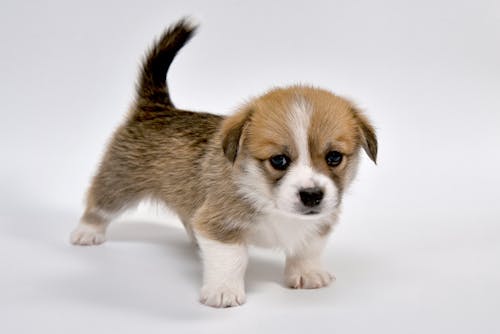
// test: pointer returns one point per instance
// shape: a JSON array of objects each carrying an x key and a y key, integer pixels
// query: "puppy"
[{"x": 271, "y": 175}]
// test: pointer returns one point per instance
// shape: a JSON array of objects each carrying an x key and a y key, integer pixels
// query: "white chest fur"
[{"x": 285, "y": 232}]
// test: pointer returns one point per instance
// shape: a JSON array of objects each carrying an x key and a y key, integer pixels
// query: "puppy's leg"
[
  {"x": 224, "y": 267},
  {"x": 304, "y": 270},
  {"x": 108, "y": 196},
  {"x": 189, "y": 230},
  {"x": 91, "y": 229}
]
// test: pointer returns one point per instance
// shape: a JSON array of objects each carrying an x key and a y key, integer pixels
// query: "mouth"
[{"x": 311, "y": 212}]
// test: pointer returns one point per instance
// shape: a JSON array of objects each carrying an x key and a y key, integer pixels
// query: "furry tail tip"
[{"x": 152, "y": 86}]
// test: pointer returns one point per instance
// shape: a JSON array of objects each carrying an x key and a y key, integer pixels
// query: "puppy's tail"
[{"x": 151, "y": 86}]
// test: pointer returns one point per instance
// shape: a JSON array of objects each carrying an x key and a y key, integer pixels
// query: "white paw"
[
  {"x": 87, "y": 235},
  {"x": 222, "y": 296},
  {"x": 313, "y": 279}
]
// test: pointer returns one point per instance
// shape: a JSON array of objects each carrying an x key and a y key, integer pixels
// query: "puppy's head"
[{"x": 296, "y": 149}]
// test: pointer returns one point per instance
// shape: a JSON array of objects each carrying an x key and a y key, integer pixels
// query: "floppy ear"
[
  {"x": 367, "y": 136},
  {"x": 232, "y": 130}
]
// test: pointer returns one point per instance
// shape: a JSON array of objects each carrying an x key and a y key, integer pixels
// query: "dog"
[{"x": 271, "y": 175}]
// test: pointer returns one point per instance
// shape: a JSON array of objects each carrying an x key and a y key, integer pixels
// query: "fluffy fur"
[{"x": 217, "y": 173}]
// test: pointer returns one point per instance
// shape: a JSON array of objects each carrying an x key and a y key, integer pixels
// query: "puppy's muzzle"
[{"x": 311, "y": 197}]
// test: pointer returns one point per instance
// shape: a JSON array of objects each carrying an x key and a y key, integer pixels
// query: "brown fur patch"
[
  {"x": 267, "y": 133},
  {"x": 367, "y": 135},
  {"x": 333, "y": 127},
  {"x": 231, "y": 131}
]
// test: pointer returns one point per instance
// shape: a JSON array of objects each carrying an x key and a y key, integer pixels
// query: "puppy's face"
[{"x": 296, "y": 150}]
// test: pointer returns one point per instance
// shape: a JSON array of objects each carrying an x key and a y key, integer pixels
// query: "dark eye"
[
  {"x": 280, "y": 162},
  {"x": 333, "y": 158}
]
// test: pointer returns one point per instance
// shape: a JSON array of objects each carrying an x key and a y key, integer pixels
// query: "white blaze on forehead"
[
  {"x": 302, "y": 173},
  {"x": 299, "y": 119}
]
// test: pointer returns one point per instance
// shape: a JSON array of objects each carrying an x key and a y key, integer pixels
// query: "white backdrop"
[{"x": 417, "y": 249}]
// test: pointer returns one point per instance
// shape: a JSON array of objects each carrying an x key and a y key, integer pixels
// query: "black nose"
[{"x": 311, "y": 196}]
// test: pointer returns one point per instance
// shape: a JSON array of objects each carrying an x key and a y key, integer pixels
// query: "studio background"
[{"x": 417, "y": 248}]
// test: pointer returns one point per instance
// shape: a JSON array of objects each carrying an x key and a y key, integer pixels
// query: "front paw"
[
  {"x": 222, "y": 296},
  {"x": 313, "y": 279}
]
